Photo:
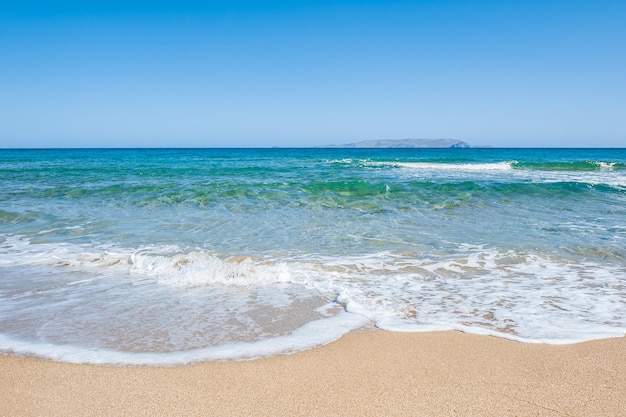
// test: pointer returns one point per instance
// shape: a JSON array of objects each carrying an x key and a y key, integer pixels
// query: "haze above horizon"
[{"x": 311, "y": 73}]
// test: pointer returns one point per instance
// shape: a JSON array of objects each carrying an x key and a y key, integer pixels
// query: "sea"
[{"x": 173, "y": 256}]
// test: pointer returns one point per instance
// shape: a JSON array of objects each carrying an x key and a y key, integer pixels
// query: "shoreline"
[{"x": 367, "y": 373}]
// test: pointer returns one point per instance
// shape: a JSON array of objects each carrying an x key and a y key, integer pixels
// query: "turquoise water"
[{"x": 178, "y": 255}]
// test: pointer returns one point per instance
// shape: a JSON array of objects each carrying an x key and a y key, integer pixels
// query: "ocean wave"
[
  {"x": 570, "y": 166},
  {"x": 496, "y": 166},
  {"x": 195, "y": 269},
  {"x": 513, "y": 173},
  {"x": 455, "y": 167},
  {"x": 167, "y": 265}
]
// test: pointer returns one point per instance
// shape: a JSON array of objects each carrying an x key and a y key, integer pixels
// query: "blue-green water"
[{"x": 176, "y": 255}]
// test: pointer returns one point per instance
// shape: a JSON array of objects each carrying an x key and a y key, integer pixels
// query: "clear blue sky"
[{"x": 305, "y": 73}]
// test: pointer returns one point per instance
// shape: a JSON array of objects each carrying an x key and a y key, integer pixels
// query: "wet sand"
[{"x": 374, "y": 373}]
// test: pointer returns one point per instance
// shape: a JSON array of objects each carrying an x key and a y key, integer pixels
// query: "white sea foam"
[
  {"x": 607, "y": 166},
  {"x": 610, "y": 178},
  {"x": 161, "y": 305},
  {"x": 340, "y": 161},
  {"x": 468, "y": 167},
  {"x": 493, "y": 171},
  {"x": 198, "y": 268},
  {"x": 168, "y": 265},
  {"x": 606, "y": 175},
  {"x": 314, "y": 333},
  {"x": 514, "y": 295}
]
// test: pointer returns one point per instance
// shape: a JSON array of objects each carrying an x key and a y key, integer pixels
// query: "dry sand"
[{"x": 364, "y": 374}]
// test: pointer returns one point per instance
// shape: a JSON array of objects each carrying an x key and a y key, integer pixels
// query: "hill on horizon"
[{"x": 404, "y": 143}]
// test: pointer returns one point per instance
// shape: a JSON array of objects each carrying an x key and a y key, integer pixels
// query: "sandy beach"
[{"x": 371, "y": 373}]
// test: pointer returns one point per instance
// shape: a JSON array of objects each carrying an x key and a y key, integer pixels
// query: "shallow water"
[{"x": 171, "y": 256}]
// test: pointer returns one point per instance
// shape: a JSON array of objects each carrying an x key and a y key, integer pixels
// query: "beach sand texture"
[{"x": 374, "y": 373}]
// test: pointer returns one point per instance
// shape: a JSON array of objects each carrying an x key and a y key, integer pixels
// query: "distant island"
[{"x": 405, "y": 143}]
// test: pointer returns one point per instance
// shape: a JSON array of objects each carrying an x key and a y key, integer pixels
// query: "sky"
[{"x": 306, "y": 73}]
